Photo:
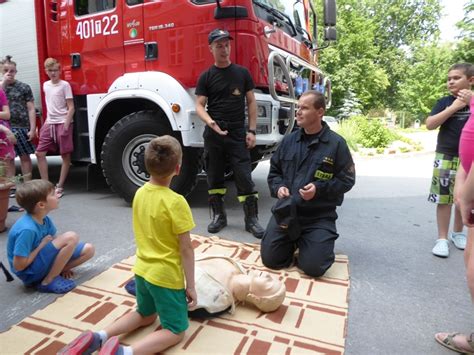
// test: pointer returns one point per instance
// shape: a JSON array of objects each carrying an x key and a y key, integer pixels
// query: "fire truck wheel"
[{"x": 123, "y": 150}]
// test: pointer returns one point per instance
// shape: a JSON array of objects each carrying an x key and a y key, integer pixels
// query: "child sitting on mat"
[{"x": 38, "y": 256}]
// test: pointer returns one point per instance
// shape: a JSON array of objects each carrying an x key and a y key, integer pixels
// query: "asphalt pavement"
[{"x": 400, "y": 293}]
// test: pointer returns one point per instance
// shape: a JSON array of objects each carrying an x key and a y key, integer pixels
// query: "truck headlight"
[{"x": 264, "y": 109}]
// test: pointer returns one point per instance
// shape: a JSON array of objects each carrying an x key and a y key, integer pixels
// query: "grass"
[{"x": 348, "y": 129}]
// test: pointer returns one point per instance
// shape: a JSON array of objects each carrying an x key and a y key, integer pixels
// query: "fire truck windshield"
[{"x": 289, "y": 13}]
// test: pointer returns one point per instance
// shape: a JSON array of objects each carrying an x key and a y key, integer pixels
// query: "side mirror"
[
  {"x": 329, "y": 13},
  {"x": 330, "y": 33},
  {"x": 229, "y": 11}
]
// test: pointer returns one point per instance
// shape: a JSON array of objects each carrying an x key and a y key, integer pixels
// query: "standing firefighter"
[{"x": 225, "y": 87}]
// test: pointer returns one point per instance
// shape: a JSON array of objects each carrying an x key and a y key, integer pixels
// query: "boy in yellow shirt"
[{"x": 164, "y": 270}]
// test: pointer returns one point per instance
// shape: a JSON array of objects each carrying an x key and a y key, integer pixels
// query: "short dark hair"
[
  {"x": 162, "y": 155},
  {"x": 466, "y": 68},
  {"x": 7, "y": 60},
  {"x": 319, "y": 101},
  {"x": 31, "y": 192}
]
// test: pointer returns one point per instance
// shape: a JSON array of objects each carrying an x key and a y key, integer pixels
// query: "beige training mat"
[{"x": 312, "y": 319}]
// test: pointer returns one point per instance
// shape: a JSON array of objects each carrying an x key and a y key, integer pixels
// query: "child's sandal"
[{"x": 58, "y": 285}]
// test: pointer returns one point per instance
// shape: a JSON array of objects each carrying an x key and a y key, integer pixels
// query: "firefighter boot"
[
  {"x": 251, "y": 217},
  {"x": 219, "y": 217}
]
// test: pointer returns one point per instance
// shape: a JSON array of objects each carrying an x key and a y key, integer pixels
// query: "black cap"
[{"x": 218, "y": 34}]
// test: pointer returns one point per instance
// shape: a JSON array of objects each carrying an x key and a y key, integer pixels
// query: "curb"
[{"x": 355, "y": 155}]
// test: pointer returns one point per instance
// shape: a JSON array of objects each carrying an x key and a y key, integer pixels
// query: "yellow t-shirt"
[{"x": 159, "y": 215}]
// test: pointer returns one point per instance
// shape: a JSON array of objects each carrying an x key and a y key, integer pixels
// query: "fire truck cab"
[{"x": 133, "y": 66}]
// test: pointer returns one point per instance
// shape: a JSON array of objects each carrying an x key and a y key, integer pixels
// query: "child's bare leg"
[
  {"x": 87, "y": 252},
  {"x": 65, "y": 165},
  {"x": 26, "y": 167},
  {"x": 468, "y": 251},
  {"x": 128, "y": 323},
  {"x": 42, "y": 165},
  {"x": 469, "y": 261},
  {"x": 156, "y": 342},
  {"x": 10, "y": 167},
  {"x": 458, "y": 225},
  {"x": 66, "y": 243},
  {"x": 443, "y": 215}
]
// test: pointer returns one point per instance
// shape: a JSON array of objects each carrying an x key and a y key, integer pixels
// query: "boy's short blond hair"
[
  {"x": 162, "y": 155},
  {"x": 50, "y": 62},
  {"x": 31, "y": 192}
]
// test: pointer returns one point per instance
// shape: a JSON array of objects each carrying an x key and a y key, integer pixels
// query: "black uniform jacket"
[{"x": 326, "y": 162}]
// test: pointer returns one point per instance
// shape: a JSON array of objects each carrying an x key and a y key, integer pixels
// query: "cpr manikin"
[{"x": 222, "y": 282}]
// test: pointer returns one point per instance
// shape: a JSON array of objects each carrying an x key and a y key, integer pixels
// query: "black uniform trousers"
[
  {"x": 231, "y": 149},
  {"x": 315, "y": 244}
]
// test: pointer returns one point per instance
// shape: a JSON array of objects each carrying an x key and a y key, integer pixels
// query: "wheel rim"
[{"x": 133, "y": 159}]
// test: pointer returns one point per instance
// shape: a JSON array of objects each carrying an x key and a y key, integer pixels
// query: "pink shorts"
[
  {"x": 466, "y": 149},
  {"x": 466, "y": 142},
  {"x": 52, "y": 138}
]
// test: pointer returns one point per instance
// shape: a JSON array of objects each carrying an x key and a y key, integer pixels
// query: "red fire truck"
[{"x": 133, "y": 66}]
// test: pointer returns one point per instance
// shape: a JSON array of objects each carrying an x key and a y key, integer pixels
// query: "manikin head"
[{"x": 265, "y": 292}]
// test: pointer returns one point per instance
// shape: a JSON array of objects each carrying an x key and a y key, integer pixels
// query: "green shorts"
[
  {"x": 169, "y": 304},
  {"x": 444, "y": 175}
]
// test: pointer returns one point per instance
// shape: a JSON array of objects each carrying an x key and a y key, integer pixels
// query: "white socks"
[
  {"x": 103, "y": 336},
  {"x": 127, "y": 350}
]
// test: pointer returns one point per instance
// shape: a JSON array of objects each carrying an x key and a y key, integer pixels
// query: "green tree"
[
  {"x": 425, "y": 79},
  {"x": 464, "y": 51},
  {"x": 373, "y": 53},
  {"x": 403, "y": 22},
  {"x": 351, "y": 62},
  {"x": 350, "y": 106}
]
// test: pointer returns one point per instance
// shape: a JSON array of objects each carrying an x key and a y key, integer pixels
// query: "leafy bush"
[
  {"x": 374, "y": 134},
  {"x": 370, "y": 133}
]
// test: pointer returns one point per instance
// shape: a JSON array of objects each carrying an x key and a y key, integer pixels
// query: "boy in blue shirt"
[{"x": 38, "y": 256}]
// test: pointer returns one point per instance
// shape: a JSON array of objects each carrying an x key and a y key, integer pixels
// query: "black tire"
[{"x": 122, "y": 157}]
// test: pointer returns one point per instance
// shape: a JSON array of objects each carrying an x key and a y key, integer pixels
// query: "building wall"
[{"x": 18, "y": 39}]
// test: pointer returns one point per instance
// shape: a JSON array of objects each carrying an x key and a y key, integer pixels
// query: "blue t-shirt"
[
  {"x": 450, "y": 130},
  {"x": 25, "y": 236}
]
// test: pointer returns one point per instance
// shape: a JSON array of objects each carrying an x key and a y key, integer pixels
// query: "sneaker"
[
  {"x": 111, "y": 347},
  {"x": 12, "y": 193},
  {"x": 441, "y": 248},
  {"x": 458, "y": 239}
]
